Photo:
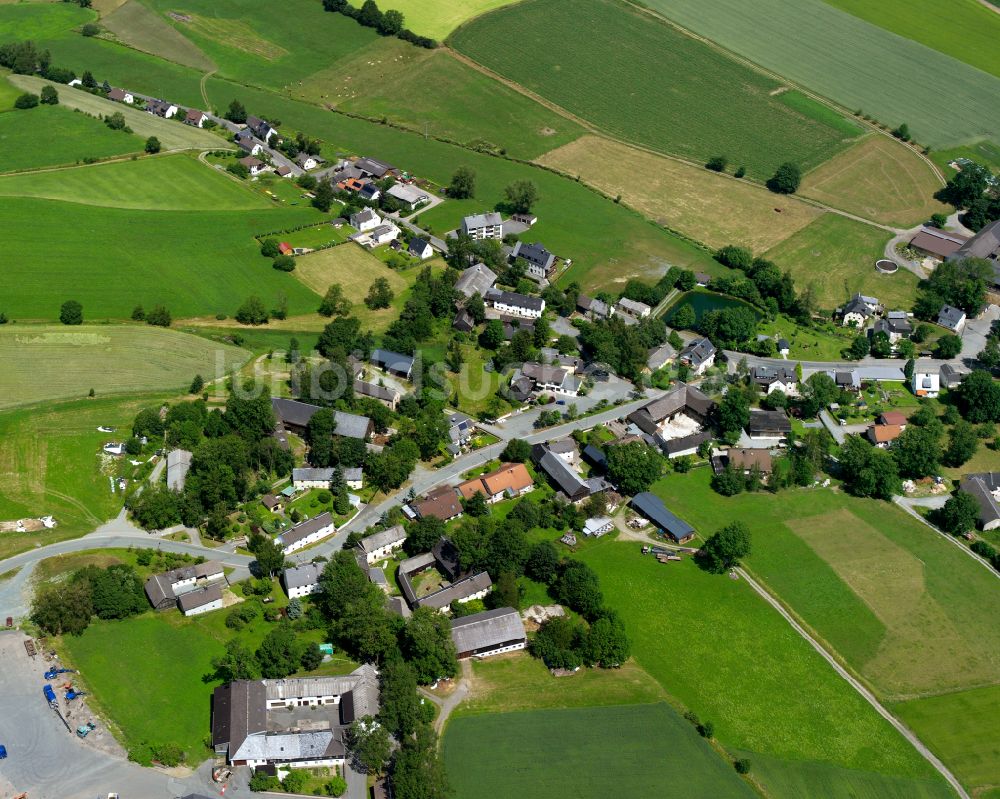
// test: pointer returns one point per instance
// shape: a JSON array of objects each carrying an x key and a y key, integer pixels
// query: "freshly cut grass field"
[
  {"x": 587, "y": 753},
  {"x": 643, "y": 81},
  {"x": 855, "y": 63},
  {"x": 172, "y": 135},
  {"x": 729, "y": 657},
  {"x": 52, "y": 135},
  {"x": 432, "y": 91},
  {"x": 837, "y": 257},
  {"x": 165, "y": 183},
  {"x": 962, "y": 729},
  {"x": 963, "y": 29},
  {"x": 111, "y": 359},
  {"x": 438, "y": 18},
  {"x": 142, "y": 28},
  {"x": 111, "y": 259},
  {"x": 879, "y": 179},
  {"x": 699, "y": 203}
]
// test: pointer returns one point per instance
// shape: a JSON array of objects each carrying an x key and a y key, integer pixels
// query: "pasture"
[
  {"x": 643, "y": 81},
  {"x": 837, "y": 255},
  {"x": 434, "y": 92},
  {"x": 51, "y": 135},
  {"x": 50, "y": 362},
  {"x": 692, "y": 200},
  {"x": 8, "y": 92},
  {"x": 855, "y": 63},
  {"x": 140, "y": 27},
  {"x": 962, "y": 730},
  {"x": 588, "y": 753},
  {"x": 729, "y": 657},
  {"x": 172, "y": 135},
  {"x": 164, "y": 183},
  {"x": 211, "y": 265},
  {"x": 879, "y": 179},
  {"x": 963, "y": 29}
]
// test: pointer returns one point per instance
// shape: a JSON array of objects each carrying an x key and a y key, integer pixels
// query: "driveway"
[{"x": 976, "y": 331}]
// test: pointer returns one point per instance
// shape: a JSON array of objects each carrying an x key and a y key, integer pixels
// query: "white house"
[
  {"x": 121, "y": 96},
  {"x": 202, "y": 600},
  {"x": 306, "y": 533},
  {"x": 540, "y": 262},
  {"x": 195, "y": 118},
  {"x": 254, "y": 165},
  {"x": 698, "y": 355},
  {"x": 639, "y": 310},
  {"x": 514, "y": 304},
  {"x": 383, "y": 234},
  {"x": 307, "y": 477},
  {"x": 302, "y": 580},
  {"x": 381, "y": 545},
  {"x": 421, "y": 249},
  {"x": 166, "y": 588},
  {"x": 306, "y": 161},
  {"x": 483, "y": 226},
  {"x": 354, "y": 477},
  {"x": 365, "y": 220},
  {"x": 926, "y": 384},
  {"x": 250, "y": 146},
  {"x": 408, "y": 195},
  {"x": 952, "y": 318},
  {"x": 858, "y": 310}
]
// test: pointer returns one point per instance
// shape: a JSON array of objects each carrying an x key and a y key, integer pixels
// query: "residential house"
[
  {"x": 698, "y": 355},
  {"x": 306, "y": 533},
  {"x": 510, "y": 480},
  {"x": 441, "y": 503},
  {"x": 304, "y": 478},
  {"x": 201, "y": 600},
  {"x": 374, "y": 168},
  {"x": 540, "y": 262},
  {"x": 783, "y": 347},
  {"x": 460, "y": 429},
  {"x": 379, "y": 546},
  {"x": 637, "y": 310},
  {"x": 768, "y": 425},
  {"x": 491, "y": 632},
  {"x": 846, "y": 379},
  {"x": 387, "y": 396},
  {"x": 302, "y": 580},
  {"x": 483, "y": 226},
  {"x": 775, "y": 378},
  {"x": 477, "y": 279},
  {"x": 926, "y": 384},
  {"x": 572, "y": 486},
  {"x": 393, "y": 363},
  {"x": 307, "y": 162},
  {"x": 951, "y": 375},
  {"x": 593, "y": 309},
  {"x": 896, "y": 325},
  {"x": 858, "y": 310},
  {"x": 254, "y": 165},
  {"x": 295, "y": 415},
  {"x": 938, "y": 244},
  {"x": 164, "y": 589},
  {"x": 161, "y": 108},
  {"x": 466, "y": 589},
  {"x": 273, "y": 503},
  {"x": 744, "y": 460},
  {"x": 883, "y": 435},
  {"x": 353, "y": 477},
  {"x": 369, "y": 192},
  {"x": 658, "y": 357},
  {"x": 250, "y": 146},
  {"x": 984, "y": 487},
  {"x": 365, "y": 220},
  {"x": 195, "y": 118},
  {"x": 595, "y": 456},
  {"x": 283, "y": 171},
  {"x": 565, "y": 448},
  {"x": 121, "y": 96},
  {"x": 572, "y": 363},
  {"x": 463, "y": 321},
  {"x": 421, "y": 248},
  {"x": 514, "y": 304},
  {"x": 385, "y": 233},
  {"x": 178, "y": 465},
  {"x": 652, "y": 507},
  {"x": 952, "y": 318},
  {"x": 261, "y": 128},
  {"x": 409, "y": 196},
  {"x": 539, "y": 378}
]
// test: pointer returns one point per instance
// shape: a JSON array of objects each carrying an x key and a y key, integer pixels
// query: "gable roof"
[
  {"x": 534, "y": 254},
  {"x": 985, "y": 244},
  {"x": 477, "y": 279},
  {"x": 393, "y": 361},
  {"x": 949, "y": 316},
  {"x": 748, "y": 458},
  {"x": 441, "y": 503},
  {"x": 486, "y": 630},
  {"x": 633, "y": 306},
  {"x": 515, "y": 300},
  {"x": 683, "y": 397},
  {"x": 938, "y": 242},
  {"x": 373, "y": 167},
  {"x": 376, "y": 541},
  {"x": 474, "y": 221},
  {"x": 302, "y": 575},
  {"x": 698, "y": 351},
  {"x": 203, "y": 596},
  {"x": 509, "y": 477},
  {"x": 419, "y": 245},
  {"x": 349, "y": 425},
  {"x": 768, "y": 422},
  {"x": 652, "y": 507},
  {"x": 981, "y": 487},
  {"x": 568, "y": 480},
  {"x": 456, "y": 591},
  {"x": 305, "y": 529},
  {"x": 884, "y": 433}
]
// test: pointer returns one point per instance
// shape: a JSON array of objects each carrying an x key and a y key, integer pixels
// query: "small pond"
[{"x": 704, "y": 301}]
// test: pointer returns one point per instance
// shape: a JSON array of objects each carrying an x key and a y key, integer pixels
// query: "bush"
[
  {"x": 153, "y": 145},
  {"x": 786, "y": 179},
  {"x": 71, "y": 313},
  {"x": 159, "y": 317},
  {"x": 335, "y": 787},
  {"x": 742, "y": 766},
  {"x": 90, "y": 29},
  {"x": 324, "y": 497},
  {"x": 26, "y": 100},
  {"x": 49, "y": 96},
  {"x": 284, "y": 263},
  {"x": 717, "y": 163}
]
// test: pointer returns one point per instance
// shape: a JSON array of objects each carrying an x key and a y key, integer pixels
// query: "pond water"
[{"x": 704, "y": 301}]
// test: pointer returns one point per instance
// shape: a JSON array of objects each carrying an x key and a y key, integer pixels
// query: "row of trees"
[
  {"x": 387, "y": 23},
  {"x": 114, "y": 592}
]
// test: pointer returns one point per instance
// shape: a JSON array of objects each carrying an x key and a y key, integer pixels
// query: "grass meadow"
[
  {"x": 585, "y": 752},
  {"x": 837, "y": 255},
  {"x": 855, "y": 63},
  {"x": 68, "y": 138},
  {"x": 111, "y": 359},
  {"x": 880, "y": 179},
  {"x": 8, "y": 92},
  {"x": 699, "y": 203},
  {"x": 645, "y": 82},
  {"x": 438, "y": 18},
  {"x": 725, "y": 654},
  {"x": 138, "y": 26}
]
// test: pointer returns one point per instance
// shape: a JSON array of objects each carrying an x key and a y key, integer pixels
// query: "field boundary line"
[
  {"x": 982, "y": 561},
  {"x": 858, "y": 686}
]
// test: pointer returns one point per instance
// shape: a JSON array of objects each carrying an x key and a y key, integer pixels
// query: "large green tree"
[
  {"x": 427, "y": 646},
  {"x": 633, "y": 467},
  {"x": 726, "y": 548}
]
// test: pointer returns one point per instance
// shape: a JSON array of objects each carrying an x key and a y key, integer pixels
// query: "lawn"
[
  {"x": 433, "y": 92},
  {"x": 587, "y": 752},
  {"x": 317, "y": 236},
  {"x": 138, "y": 26},
  {"x": 111, "y": 359},
  {"x": 646, "y": 82},
  {"x": 855, "y": 63},
  {"x": 963, "y": 29},
  {"x": 68, "y": 138},
  {"x": 809, "y": 343},
  {"x": 729, "y": 657},
  {"x": 985, "y": 152},
  {"x": 473, "y": 385},
  {"x": 173, "y": 135},
  {"x": 880, "y": 179},
  {"x": 837, "y": 257},
  {"x": 962, "y": 729},
  {"x": 195, "y": 263},
  {"x": 50, "y": 464},
  {"x": 165, "y": 183},
  {"x": 692, "y": 200}
]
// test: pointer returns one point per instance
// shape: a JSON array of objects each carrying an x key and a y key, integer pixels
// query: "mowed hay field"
[
  {"x": 699, "y": 203},
  {"x": 166, "y": 183},
  {"x": 880, "y": 179},
  {"x": 642, "y": 80},
  {"x": 433, "y": 92},
  {"x": 855, "y": 63},
  {"x": 438, "y": 18},
  {"x": 46, "y": 362},
  {"x": 142, "y": 28},
  {"x": 730, "y": 657},
  {"x": 636, "y": 750},
  {"x": 837, "y": 256}
]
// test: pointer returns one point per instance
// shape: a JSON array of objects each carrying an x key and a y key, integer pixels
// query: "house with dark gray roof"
[
  {"x": 306, "y": 533},
  {"x": 573, "y": 487},
  {"x": 986, "y": 245},
  {"x": 540, "y": 262},
  {"x": 593, "y": 309},
  {"x": 393, "y": 362},
  {"x": 768, "y": 424},
  {"x": 302, "y": 580},
  {"x": 373, "y": 167},
  {"x": 201, "y": 600},
  {"x": 491, "y": 632},
  {"x": 683, "y": 399},
  {"x": 952, "y": 318},
  {"x": 774, "y": 378},
  {"x": 164, "y": 589},
  {"x": 514, "y": 304},
  {"x": 698, "y": 355},
  {"x": 985, "y": 489},
  {"x": 295, "y": 415},
  {"x": 384, "y": 394},
  {"x": 652, "y": 507}
]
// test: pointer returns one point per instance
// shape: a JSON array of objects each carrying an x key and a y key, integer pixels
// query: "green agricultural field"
[
  {"x": 138, "y": 26},
  {"x": 643, "y": 81},
  {"x": 438, "y": 18},
  {"x": 855, "y": 63},
  {"x": 196, "y": 263},
  {"x": 962, "y": 729},
  {"x": 837, "y": 255},
  {"x": 111, "y": 359},
  {"x": 8, "y": 92},
  {"x": 173, "y": 135},
  {"x": 963, "y": 29},
  {"x": 53, "y": 135},
  {"x": 164, "y": 183},
  {"x": 35, "y": 21},
  {"x": 50, "y": 463},
  {"x": 729, "y": 657},
  {"x": 433, "y": 92},
  {"x": 586, "y": 753}
]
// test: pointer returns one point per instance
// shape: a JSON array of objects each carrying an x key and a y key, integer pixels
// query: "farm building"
[
  {"x": 572, "y": 486},
  {"x": 381, "y": 545},
  {"x": 305, "y": 533},
  {"x": 294, "y": 415},
  {"x": 410, "y": 196},
  {"x": 598, "y": 526},
  {"x": 201, "y": 600},
  {"x": 393, "y": 362},
  {"x": 383, "y": 394},
  {"x": 652, "y": 507},
  {"x": 178, "y": 465},
  {"x": 164, "y": 589},
  {"x": 638, "y": 310},
  {"x": 477, "y": 279},
  {"x": 593, "y": 309},
  {"x": 302, "y": 580},
  {"x": 939, "y": 244},
  {"x": 374, "y": 168},
  {"x": 491, "y": 632},
  {"x": 986, "y": 245}
]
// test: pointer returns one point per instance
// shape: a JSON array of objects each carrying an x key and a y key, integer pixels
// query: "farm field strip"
[{"x": 142, "y": 28}]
